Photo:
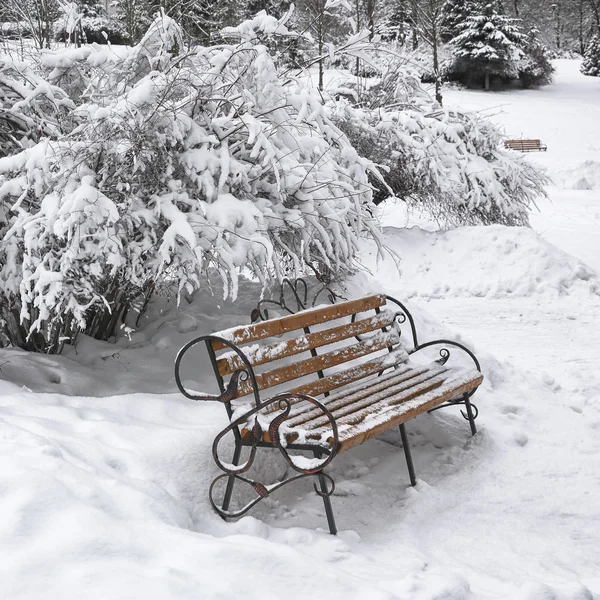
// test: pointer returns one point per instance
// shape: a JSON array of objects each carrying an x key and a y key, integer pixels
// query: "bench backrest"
[{"x": 268, "y": 343}]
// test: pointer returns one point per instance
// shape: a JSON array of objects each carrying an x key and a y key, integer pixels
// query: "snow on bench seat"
[{"x": 372, "y": 407}]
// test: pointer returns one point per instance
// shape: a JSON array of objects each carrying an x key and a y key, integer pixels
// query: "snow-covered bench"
[
  {"x": 525, "y": 145},
  {"x": 332, "y": 377}
]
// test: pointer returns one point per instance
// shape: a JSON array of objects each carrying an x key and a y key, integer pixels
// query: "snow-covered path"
[{"x": 566, "y": 117}]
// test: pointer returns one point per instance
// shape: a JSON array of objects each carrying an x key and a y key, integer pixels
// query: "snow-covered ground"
[{"x": 104, "y": 470}]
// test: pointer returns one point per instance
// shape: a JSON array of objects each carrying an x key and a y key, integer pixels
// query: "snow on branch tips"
[{"x": 176, "y": 164}]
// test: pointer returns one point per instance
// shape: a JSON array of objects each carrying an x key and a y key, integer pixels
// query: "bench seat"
[{"x": 367, "y": 409}]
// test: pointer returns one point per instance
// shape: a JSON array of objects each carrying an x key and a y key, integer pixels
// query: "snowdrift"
[
  {"x": 586, "y": 176},
  {"x": 491, "y": 262}
]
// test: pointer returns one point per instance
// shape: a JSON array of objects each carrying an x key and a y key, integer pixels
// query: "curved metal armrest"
[
  {"x": 285, "y": 405},
  {"x": 404, "y": 315},
  {"x": 445, "y": 353},
  {"x": 240, "y": 375}
]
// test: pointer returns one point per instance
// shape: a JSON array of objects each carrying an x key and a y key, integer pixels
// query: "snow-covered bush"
[
  {"x": 179, "y": 163},
  {"x": 446, "y": 163},
  {"x": 591, "y": 60},
  {"x": 29, "y": 106}
]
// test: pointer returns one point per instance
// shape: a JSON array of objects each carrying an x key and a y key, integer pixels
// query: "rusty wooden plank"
[
  {"x": 319, "y": 363},
  {"x": 305, "y": 318},
  {"x": 273, "y": 352}
]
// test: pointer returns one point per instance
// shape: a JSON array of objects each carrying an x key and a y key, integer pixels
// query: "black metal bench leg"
[
  {"x": 409, "y": 462},
  {"x": 229, "y": 489},
  {"x": 470, "y": 415},
  {"x": 326, "y": 499}
]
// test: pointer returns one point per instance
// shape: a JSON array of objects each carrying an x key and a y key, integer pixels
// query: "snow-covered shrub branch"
[
  {"x": 446, "y": 163},
  {"x": 179, "y": 163},
  {"x": 30, "y": 107}
]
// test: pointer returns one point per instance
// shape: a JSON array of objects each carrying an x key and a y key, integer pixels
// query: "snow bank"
[
  {"x": 108, "y": 499},
  {"x": 491, "y": 262},
  {"x": 586, "y": 176}
]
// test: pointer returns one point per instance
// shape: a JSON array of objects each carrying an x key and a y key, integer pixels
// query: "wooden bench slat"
[
  {"x": 306, "y": 318},
  {"x": 319, "y": 363},
  {"x": 374, "y": 386},
  {"x": 411, "y": 391},
  {"x": 272, "y": 352},
  {"x": 404, "y": 412},
  {"x": 413, "y": 380},
  {"x": 398, "y": 408},
  {"x": 348, "y": 376}
]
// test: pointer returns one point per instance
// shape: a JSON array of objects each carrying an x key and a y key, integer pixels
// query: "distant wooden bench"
[
  {"x": 339, "y": 375},
  {"x": 525, "y": 145}
]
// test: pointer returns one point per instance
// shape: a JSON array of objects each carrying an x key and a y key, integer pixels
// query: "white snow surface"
[{"x": 104, "y": 468}]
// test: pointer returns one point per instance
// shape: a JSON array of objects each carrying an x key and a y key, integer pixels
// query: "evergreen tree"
[
  {"x": 535, "y": 68},
  {"x": 93, "y": 24},
  {"x": 489, "y": 45},
  {"x": 454, "y": 14},
  {"x": 591, "y": 60}
]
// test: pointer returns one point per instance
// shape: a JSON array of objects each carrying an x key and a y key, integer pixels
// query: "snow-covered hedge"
[
  {"x": 446, "y": 163},
  {"x": 178, "y": 163}
]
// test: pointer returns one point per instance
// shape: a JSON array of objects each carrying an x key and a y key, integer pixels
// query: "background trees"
[
  {"x": 36, "y": 17},
  {"x": 591, "y": 61}
]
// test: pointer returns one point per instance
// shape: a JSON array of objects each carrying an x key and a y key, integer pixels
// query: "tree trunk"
[
  {"x": 357, "y": 29},
  {"x": 320, "y": 36},
  {"x": 371, "y": 18},
  {"x": 415, "y": 20},
  {"x": 557, "y": 25},
  {"x": 436, "y": 67},
  {"x": 595, "y": 6},
  {"x": 487, "y": 82}
]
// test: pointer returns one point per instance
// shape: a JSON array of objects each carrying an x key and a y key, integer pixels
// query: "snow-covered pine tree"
[
  {"x": 454, "y": 14},
  {"x": 489, "y": 45},
  {"x": 535, "y": 68},
  {"x": 591, "y": 60}
]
